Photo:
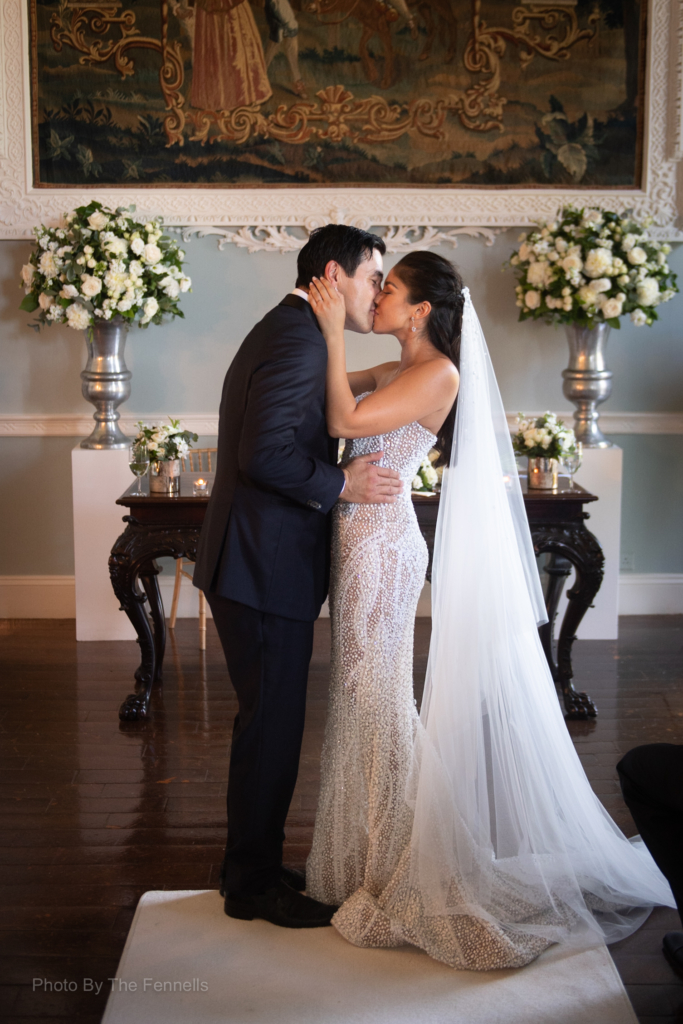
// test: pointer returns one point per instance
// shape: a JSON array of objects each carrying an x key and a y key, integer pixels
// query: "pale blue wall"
[
  {"x": 652, "y": 503},
  {"x": 179, "y": 369},
  {"x": 36, "y": 510}
]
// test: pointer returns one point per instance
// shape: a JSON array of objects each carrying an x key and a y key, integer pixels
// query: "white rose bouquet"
[
  {"x": 428, "y": 478},
  {"x": 543, "y": 438},
  {"x": 164, "y": 443},
  {"x": 591, "y": 266},
  {"x": 103, "y": 263}
]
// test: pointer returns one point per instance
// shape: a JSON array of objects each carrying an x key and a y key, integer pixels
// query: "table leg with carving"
[
  {"x": 558, "y": 569},
  {"x": 124, "y": 577},
  {"x": 131, "y": 563},
  {"x": 570, "y": 542},
  {"x": 589, "y": 562},
  {"x": 149, "y": 577}
]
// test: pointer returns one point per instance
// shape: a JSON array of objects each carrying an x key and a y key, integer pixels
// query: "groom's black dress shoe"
[
  {"x": 673, "y": 950},
  {"x": 279, "y": 905},
  {"x": 294, "y": 879}
]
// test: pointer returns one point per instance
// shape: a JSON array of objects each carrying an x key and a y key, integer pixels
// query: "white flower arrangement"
[
  {"x": 428, "y": 479},
  {"x": 101, "y": 264},
  {"x": 164, "y": 443},
  {"x": 545, "y": 437},
  {"x": 591, "y": 266}
]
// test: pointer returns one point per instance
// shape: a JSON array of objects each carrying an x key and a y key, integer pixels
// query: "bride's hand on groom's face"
[
  {"x": 370, "y": 484},
  {"x": 329, "y": 307}
]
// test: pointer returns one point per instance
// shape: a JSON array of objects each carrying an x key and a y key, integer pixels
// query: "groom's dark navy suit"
[{"x": 263, "y": 563}]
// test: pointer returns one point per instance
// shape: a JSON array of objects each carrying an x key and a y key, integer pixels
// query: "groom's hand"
[{"x": 370, "y": 484}]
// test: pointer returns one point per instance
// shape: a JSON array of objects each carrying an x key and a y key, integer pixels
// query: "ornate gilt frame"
[{"x": 278, "y": 219}]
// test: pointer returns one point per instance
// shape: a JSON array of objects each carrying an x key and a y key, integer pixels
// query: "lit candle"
[{"x": 200, "y": 487}]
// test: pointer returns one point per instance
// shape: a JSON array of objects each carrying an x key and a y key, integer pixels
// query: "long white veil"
[{"x": 506, "y": 822}]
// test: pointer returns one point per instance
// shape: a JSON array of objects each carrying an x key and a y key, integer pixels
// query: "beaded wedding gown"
[
  {"x": 379, "y": 561},
  {"x": 470, "y": 830},
  {"x": 360, "y": 854}
]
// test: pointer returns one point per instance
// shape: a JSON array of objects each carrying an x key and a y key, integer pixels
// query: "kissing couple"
[{"x": 468, "y": 830}]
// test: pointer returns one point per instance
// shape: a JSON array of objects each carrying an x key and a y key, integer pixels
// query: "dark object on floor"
[
  {"x": 279, "y": 905},
  {"x": 672, "y": 948},
  {"x": 651, "y": 779}
]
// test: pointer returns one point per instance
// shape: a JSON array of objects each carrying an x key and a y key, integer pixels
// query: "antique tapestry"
[{"x": 478, "y": 93}]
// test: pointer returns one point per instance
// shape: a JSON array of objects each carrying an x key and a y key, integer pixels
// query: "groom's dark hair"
[{"x": 347, "y": 246}]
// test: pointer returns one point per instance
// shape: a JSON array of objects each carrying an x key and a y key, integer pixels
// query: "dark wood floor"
[{"x": 94, "y": 813}]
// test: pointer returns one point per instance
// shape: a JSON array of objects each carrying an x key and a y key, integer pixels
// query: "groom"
[{"x": 263, "y": 558}]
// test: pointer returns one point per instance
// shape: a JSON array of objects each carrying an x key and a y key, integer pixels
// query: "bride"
[{"x": 469, "y": 830}]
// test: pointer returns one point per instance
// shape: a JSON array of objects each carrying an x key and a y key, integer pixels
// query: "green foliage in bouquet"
[
  {"x": 103, "y": 263},
  {"x": 543, "y": 438},
  {"x": 428, "y": 479},
  {"x": 591, "y": 266},
  {"x": 164, "y": 443}
]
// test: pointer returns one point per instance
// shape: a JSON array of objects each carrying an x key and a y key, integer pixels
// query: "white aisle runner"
[{"x": 251, "y": 972}]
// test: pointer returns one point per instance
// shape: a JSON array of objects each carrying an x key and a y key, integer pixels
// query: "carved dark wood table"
[
  {"x": 558, "y": 528},
  {"x": 160, "y": 526}
]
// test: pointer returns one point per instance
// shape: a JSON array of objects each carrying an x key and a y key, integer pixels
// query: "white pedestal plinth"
[
  {"x": 99, "y": 478},
  {"x": 601, "y": 474}
]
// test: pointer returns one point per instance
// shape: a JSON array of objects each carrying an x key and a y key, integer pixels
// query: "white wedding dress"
[
  {"x": 379, "y": 561},
  {"x": 470, "y": 830},
  {"x": 363, "y": 825}
]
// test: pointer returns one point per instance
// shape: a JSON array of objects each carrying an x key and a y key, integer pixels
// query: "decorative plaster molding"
[
  {"x": 206, "y": 425},
  {"x": 642, "y": 422},
  {"x": 3, "y": 104},
  {"x": 624, "y": 422},
  {"x": 80, "y": 425},
  {"x": 280, "y": 239},
  {"x": 676, "y": 115},
  {"x": 263, "y": 217}
]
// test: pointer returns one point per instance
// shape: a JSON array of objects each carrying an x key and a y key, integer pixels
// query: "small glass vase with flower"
[
  {"x": 166, "y": 445},
  {"x": 546, "y": 442}
]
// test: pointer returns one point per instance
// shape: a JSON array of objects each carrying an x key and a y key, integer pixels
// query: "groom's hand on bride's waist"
[{"x": 370, "y": 484}]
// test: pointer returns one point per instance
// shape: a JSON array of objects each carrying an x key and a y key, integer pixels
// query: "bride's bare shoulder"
[
  {"x": 448, "y": 372},
  {"x": 439, "y": 371}
]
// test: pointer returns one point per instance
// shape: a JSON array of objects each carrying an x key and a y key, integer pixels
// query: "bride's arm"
[
  {"x": 420, "y": 392},
  {"x": 360, "y": 381}
]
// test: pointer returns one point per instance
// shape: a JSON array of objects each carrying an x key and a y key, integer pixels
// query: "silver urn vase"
[
  {"x": 587, "y": 381},
  {"x": 543, "y": 474},
  {"x": 164, "y": 477},
  {"x": 106, "y": 381}
]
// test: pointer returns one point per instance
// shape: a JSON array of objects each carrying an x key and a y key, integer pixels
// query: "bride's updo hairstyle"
[{"x": 431, "y": 278}]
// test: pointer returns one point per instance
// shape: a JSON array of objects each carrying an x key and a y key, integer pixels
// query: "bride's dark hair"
[{"x": 431, "y": 278}]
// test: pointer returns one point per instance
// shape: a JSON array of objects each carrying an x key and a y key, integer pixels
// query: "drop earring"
[{"x": 412, "y": 321}]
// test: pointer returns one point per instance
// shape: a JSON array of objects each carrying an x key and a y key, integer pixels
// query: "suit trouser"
[
  {"x": 652, "y": 783},
  {"x": 267, "y": 658}
]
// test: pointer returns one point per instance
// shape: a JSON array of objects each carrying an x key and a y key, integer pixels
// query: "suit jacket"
[{"x": 265, "y": 538}]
